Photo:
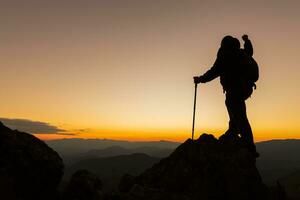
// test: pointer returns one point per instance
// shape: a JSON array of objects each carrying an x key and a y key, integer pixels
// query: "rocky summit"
[
  {"x": 203, "y": 169},
  {"x": 29, "y": 169}
]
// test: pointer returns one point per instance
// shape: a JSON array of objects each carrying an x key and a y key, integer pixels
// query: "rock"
[
  {"x": 29, "y": 169},
  {"x": 83, "y": 186},
  {"x": 206, "y": 169},
  {"x": 139, "y": 192},
  {"x": 126, "y": 182}
]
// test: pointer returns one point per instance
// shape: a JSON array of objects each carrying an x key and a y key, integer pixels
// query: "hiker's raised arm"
[{"x": 247, "y": 45}]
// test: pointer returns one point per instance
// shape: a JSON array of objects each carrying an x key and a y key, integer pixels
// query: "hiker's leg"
[
  {"x": 243, "y": 124},
  {"x": 232, "y": 129},
  {"x": 238, "y": 117}
]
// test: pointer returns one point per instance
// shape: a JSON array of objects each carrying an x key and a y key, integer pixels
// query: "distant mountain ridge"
[
  {"x": 118, "y": 150},
  {"x": 77, "y": 145},
  {"x": 279, "y": 161},
  {"x": 279, "y": 158},
  {"x": 111, "y": 169},
  {"x": 116, "y": 165},
  {"x": 291, "y": 184},
  {"x": 74, "y": 150}
]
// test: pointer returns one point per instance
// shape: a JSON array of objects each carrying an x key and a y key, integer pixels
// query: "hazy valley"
[{"x": 110, "y": 160}]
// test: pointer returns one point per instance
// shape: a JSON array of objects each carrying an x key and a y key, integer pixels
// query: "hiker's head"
[
  {"x": 229, "y": 42},
  {"x": 236, "y": 43}
]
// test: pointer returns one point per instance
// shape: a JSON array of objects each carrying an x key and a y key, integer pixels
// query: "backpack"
[{"x": 249, "y": 74}]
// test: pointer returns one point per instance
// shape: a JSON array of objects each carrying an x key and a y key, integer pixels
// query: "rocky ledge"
[{"x": 202, "y": 169}]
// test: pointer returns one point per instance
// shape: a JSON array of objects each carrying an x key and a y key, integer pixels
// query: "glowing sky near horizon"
[{"x": 123, "y": 69}]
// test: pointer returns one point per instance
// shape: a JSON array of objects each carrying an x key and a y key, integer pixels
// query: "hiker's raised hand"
[
  {"x": 197, "y": 79},
  {"x": 245, "y": 37}
]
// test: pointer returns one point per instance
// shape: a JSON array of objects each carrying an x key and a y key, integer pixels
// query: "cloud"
[
  {"x": 33, "y": 126},
  {"x": 82, "y": 130}
]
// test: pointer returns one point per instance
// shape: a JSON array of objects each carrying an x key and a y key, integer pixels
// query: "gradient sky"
[{"x": 123, "y": 69}]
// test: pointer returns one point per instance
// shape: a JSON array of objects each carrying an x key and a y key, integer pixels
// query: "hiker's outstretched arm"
[
  {"x": 213, "y": 72},
  {"x": 210, "y": 75}
]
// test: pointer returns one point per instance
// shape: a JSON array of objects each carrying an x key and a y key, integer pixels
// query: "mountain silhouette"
[
  {"x": 279, "y": 158},
  {"x": 74, "y": 150},
  {"x": 291, "y": 185},
  {"x": 77, "y": 145},
  {"x": 275, "y": 161},
  {"x": 83, "y": 185},
  {"x": 111, "y": 169},
  {"x": 29, "y": 169},
  {"x": 118, "y": 150},
  {"x": 204, "y": 169}
]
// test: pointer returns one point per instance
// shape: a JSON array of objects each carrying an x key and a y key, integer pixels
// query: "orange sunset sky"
[{"x": 122, "y": 69}]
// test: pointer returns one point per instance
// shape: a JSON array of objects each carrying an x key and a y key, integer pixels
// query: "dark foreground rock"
[
  {"x": 203, "y": 169},
  {"x": 83, "y": 185},
  {"x": 29, "y": 169}
]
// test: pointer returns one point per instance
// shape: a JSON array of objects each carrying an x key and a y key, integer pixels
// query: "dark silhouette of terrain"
[
  {"x": 117, "y": 150},
  {"x": 206, "y": 168},
  {"x": 279, "y": 158},
  {"x": 78, "y": 145},
  {"x": 110, "y": 166},
  {"x": 111, "y": 169},
  {"x": 291, "y": 185},
  {"x": 74, "y": 150},
  {"x": 83, "y": 185},
  {"x": 29, "y": 169}
]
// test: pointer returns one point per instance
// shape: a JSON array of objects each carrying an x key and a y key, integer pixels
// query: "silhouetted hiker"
[{"x": 235, "y": 67}]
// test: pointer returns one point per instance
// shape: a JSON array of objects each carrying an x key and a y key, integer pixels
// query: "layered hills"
[{"x": 206, "y": 168}]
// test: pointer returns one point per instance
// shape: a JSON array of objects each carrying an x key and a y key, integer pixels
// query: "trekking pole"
[{"x": 195, "y": 96}]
